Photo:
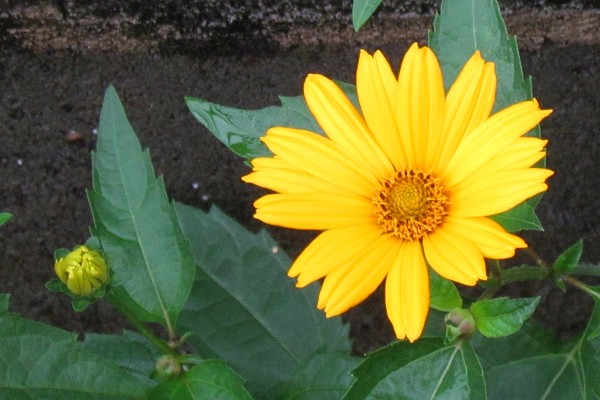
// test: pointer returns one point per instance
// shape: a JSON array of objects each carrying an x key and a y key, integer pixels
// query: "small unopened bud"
[
  {"x": 459, "y": 324},
  {"x": 84, "y": 271},
  {"x": 167, "y": 367}
]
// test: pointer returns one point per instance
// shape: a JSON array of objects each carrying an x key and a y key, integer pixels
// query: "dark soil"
[{"x": 50, "y": 89}]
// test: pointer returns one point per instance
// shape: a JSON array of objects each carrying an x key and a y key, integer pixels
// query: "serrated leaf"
[
  {"x": 444, "y": 294},
  {"x": 245, "y": 310},
  {"x": 502, "y": 316},
  {"x": 38, "y": 361},
  {"x": 426, "y": 369},
  {"x": 569, "y": 259},
  {"x": 324, "y": 377},
  {"x": 137, "y": 228},
  {"x": 241, "y": 130},
  {"x": 4, "y": 218},
  {"x": 211, "y": 379},
  {"x": 362, "y": 11},
  {"x": 461, "y": 28}
]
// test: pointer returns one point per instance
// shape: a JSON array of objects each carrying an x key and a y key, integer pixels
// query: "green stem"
[
  {"x": 501, "y": 277},
  {"x": 139, "y": 325},
  {"x": 582, "y": 286},
  {"x": 535, "y": 256}
]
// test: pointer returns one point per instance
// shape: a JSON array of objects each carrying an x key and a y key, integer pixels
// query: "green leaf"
[
  {"x": 519, "y": 218},
  {"x": 245, "y": 310},
  {"x": 4, "y": 302},
  {"x": 539, "y": 367},
  {"x": 211, "y": 379},
  {"x": 426, "y": 369},
  {"x": 137, "y": 227},
  {"x": 531, "y": 340},
  {"x": 130, "y": 351},
  {"x": 587, "y": 270},
  {"x": 502, "y": 316},
  {"x": 4, "y": 217},
  {"x": 461, "y": 28},
  {"x": 444, "y": 294},
  {"x": 362, "y": 11},
  {"x": 324, "y": 377},
  {"x": 241, "y": 130},
  {"x": 38, "y": 361},
  {"x": 569, "y": 259}
]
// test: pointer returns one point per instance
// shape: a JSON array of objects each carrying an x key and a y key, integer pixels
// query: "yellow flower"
[
  {"x": 83, "y": 271},
  {"x": 409, "y": 183}
]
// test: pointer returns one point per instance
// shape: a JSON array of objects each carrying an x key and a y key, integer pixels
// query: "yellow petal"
[
  {"x": 350, "y": 285},
  {"x": 343, "y": 124},
  {"x": 332, "y": 250},
  {"x": 407, "y": 292},
  {"x": 522, "y": 153},
  {"x": 280, "y": 176},
  {"x": 404, "y": 105},
  {"x": 377, "y": 87},
  {"x": 320, "y": 157},
  {"x": 313, "y": 210},
  {"x": 489, "y": 237},
  {"x": 420, "y": 110},
  {"x": 490, "y": 138},
  {"x": 454, "y": 257},
  {"x": 496, "y": 192},
  {"x": 469, "y": 102}
]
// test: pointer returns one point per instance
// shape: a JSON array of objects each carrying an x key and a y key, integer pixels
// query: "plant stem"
[
  {"x": 139, "y": 325},
  {"x": 501, "y": 277},
  {"x": 582, "y": 286}
]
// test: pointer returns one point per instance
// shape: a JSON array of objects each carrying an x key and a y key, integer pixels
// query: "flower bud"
[
  {"x": 167, "y": 367},
  {"x": 84, "y": 271},
  {"x": 460, "y": 323}
]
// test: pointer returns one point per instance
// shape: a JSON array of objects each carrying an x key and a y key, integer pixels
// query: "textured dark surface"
[{"x": 45, "y": 93}]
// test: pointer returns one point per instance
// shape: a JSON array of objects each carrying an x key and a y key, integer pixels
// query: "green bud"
[
  {"x": 84, "y": 271},
  {"x": 167, "y": 367},
  {"x": 460, "y": 324}
]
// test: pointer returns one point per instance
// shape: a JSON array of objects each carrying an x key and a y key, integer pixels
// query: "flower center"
[{"x": 410, "y": 205}]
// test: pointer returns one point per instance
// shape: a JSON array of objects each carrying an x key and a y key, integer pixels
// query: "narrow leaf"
[
  {"x": 461, "y": 28},
  {"x": 211, "y": 379},
  {"x": 444, "y": 294},
  {"x": 137, "y": 227},
  {"x": 245, "y": 310},
  {"x": 587, "y": 270},
  {"x": 426, "y": 369},
  {"x": 4, "y": 217},
  {"x": 362, "y": 11},
  {"x": 569, "y": 259},
  {"x": 502, "y": 316},
  {"x": 38, "y": 361}
]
